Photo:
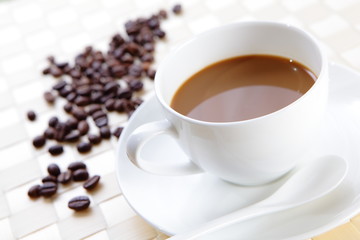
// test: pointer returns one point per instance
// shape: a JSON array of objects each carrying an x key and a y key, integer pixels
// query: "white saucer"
[{"x": 177, "y": 204}]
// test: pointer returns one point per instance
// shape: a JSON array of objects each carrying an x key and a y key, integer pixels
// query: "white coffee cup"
[{"x": 248, "y": 152}]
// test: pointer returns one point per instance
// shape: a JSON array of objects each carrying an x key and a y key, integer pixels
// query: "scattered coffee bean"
[
  {"x": 105, "y": 132},
  {"x": 72, "y": 123},
  {"x": 98, "y": 114},
  {"x": 79, "y": 113},
  {"x": 68, "y": 107},
  {"x": 151, "y": 73},
  {"x": 64, "y": 177},
  {"x": 39, "y": 141},
  {"x": 136, "y": 85},
  {"x": 91, "y": 182},
  {"x": 94, "y": 139},
  {"x": 48, "y": 189},
  {"x": 53, "y": 121},
  {"x": 53, "y": 169},
  {"x": 49, "y": 97},
  {"x": 76, "y": 165},
  {"x": 94, "y": 108},
  {"x": 34, "y": 191},
  {"x": 49, "y": 178},
  {"x": 31, "y": 115},
  {"x": 177, "y": 9},
  {"x": 73, "y": 136},
  {"x": 56, "y": 149},
  {"x": 60, "y": 85},
  {"x": 50, "y": 133},
  {"x": 80, "y": 174},
  {"x": 79, "y": 203},
  {"x": 117, "y": 132},
  {"x": 84, "y": 147},
  {"x": 101, "y": 122},
  {"x": 83, "y": 127}
]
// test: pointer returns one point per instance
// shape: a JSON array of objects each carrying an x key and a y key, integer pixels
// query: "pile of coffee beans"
[
  {"x": 100, "y": 82},
  {"x": 94, "y": 85},
  {"x": 76, "y": 172}
]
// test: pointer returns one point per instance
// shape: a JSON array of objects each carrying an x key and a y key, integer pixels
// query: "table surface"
[{"x": 32, "y": 30}]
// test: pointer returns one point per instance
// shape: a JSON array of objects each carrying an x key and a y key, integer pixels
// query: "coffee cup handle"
[{"x": 144, "y": 133}]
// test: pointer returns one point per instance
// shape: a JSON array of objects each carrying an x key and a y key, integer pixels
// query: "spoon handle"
[{"x": 255, "y": 210}]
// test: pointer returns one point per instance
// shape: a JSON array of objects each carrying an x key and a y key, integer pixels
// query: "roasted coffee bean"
[
  {"x": 46, "y": 71},
  {"x": 79, "y": 113},
  {"x": 109, "y": 104},
  {"x": 101, "y": 122},
  {"x": 76, "y": 165},
  {"x": 136, "y": 85},
  {"x": 39, "y": 141},
  {"x": 49, "y": 97},
  {"x": 68, "y": 107},
  {"x": 91, "y": 182},
  {"x": 60, "y": 85},
  {"x": 53, "y": 169},
  {"x": 72, "y": 123},
  {"x": 84, "y": 147},
  {"x": 153, "y": 22},
  {"x": 159, "y": 33},
  {"x": 64, "y": 92},
  {"x": 118, "y": 71},
  {"x": 105, "y": 132},
  {"x": 31, "y": 115},
  {"x": 71, "y": 97},
  {"x": 117, "y": 132},
  {"x": 73, "y": 136},
  {"x": 84, "y": 90},
  {"x": 34, "y": 191},
  {"x": 137, "y": 101},
  {"x": 48, "y": 189},
  {"x": 119, "y": 105},
  {"x": 62, "y": 130},
  {"x": 53, "y": 121},
  {"x": 56, "y": 150},
  {"x": 94, "y": 139},
  {"x": 49, "y": 178},
  {"x": 94, "y": 108},
  {"x": 96, "y": 96},
  {"x": 49, "y": 133},
  {"x": 79, "y": 203},
  {"x": 55, "y": 71},
  {"x": 83, "y": 127},
  {"x": 135, "y": 70},
  {"x": 148, "y": 57},
  {"x": 82, "y": 101},
  {"x": 80, "y": 174},
  {"x": 111, "y": 87},
  {"x": 151, "y": 73},
  {"x": 177, "y": 9},
  {"x": 98, "y": 114},
  {"x": 124, "y": 93},
  {"x": 64, "y": 177},
  {"x": 62, "y": 65},
  {"x": 162, "y": 14},
  {"x": 127, "y": 58}
]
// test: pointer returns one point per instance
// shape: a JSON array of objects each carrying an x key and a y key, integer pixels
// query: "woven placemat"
[{"x": 32, "y": 30}]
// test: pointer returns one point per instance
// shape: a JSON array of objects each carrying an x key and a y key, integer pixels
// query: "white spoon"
[{"x": 310, "y": 182}]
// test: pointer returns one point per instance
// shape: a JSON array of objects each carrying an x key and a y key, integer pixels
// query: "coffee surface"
[{"x": 242, "y": 88}]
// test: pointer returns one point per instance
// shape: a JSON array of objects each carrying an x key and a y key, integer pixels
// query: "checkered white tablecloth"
[{"x": 31, "y": 30}]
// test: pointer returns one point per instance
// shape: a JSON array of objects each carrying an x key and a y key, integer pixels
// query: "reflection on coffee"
[{"x": 242, "y": 88}]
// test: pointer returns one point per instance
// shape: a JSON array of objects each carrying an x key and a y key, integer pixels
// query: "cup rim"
[{"x": 320, "y": 76}]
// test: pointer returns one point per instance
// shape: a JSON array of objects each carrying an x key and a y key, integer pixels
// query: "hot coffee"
[{"x": 242, "y": 88}]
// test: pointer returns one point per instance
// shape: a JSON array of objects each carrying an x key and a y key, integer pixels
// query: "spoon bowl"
[{"x": 310, "y": 182}]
